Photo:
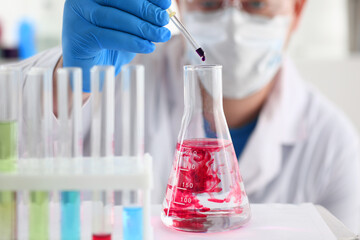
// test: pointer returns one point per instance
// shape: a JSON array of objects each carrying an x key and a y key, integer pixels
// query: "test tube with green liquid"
[
  {"x": 37, "y": 143},
  {"x": 9, "y": 93}
]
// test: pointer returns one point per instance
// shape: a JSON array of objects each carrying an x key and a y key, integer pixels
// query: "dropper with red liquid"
[
  {"x": 201, "y": 53},
  {"x": 186, "y": 34}
]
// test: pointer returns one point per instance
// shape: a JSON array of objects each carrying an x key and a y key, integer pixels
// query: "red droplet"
[{"x": 102, "y": 236}]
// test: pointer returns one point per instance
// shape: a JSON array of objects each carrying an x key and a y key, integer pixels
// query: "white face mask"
[{"x": 250, "y": 48}]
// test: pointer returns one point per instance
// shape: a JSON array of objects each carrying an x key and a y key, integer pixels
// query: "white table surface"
[
  {"x": 258, "y": 228},
  {"x": 336, "y": 226}
]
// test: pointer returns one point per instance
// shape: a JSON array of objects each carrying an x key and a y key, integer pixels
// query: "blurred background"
[{"x": 326, "y": 47}]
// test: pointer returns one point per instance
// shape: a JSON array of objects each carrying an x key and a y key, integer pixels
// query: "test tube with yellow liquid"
[
  {"x": 9, "y": 93},
  {"x": 37, "y": 143}
]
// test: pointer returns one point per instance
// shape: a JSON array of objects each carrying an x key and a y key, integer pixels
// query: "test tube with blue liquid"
[
  {"x": 9, "y": 96},
  {"x": 132, "y": 145},
  {"x": 102, "y": 140},
  {"x": 37, "y": 143},
  {"x": 69, "y": 101}
]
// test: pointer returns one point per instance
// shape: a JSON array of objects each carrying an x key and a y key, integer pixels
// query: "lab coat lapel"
[
  {"x": 280, "y": 123},
  {"x": 261, "y": 159}
]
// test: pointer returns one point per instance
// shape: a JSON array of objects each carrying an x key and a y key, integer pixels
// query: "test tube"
[
  {"x": 132, "y": 145},
  {"x": 69, "y": 95},
  {"x": 37, "y": 112},
  {"x": 9, "y": 94},
  {"x": 102, "y": 135}
]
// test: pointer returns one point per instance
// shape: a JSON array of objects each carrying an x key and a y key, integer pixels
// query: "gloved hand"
[{"x": 111, "y": 32}]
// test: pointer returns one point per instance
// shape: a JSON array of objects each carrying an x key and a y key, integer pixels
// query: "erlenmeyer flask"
[{"x": 205, "y": 192}]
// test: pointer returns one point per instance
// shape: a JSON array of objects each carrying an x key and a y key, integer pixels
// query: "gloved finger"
[
  {"x": 120, "y": 41},
  {"x": 140, "y": 8},
  {"x": 164, "y": 4},
  {"x": 111, "y": 18}
]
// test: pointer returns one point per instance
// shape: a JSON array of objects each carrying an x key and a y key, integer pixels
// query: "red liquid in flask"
[
  {"x": 104, "y": 236},
  {"x": 205, "y": 187}
]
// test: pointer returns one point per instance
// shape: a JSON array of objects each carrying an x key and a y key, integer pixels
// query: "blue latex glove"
[{"x": 111, "y": 32}]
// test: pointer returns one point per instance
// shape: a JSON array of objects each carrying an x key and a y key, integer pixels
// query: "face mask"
[{"x": 250, "y": 48}]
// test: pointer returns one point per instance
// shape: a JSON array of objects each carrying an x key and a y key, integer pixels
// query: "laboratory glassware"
[
  {"x": 132, "y": 145},
  {"x": 186, "y": 34},
  {"x": 102, "y": 140},
  {"x": 37, "y": 143},
  {"x": 205, "y": 192},
  {"x": 69, "y": 101},
  {"x": 9, "y": 96}
]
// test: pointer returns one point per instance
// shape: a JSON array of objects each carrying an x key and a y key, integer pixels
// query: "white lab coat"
[{"x": 303, "y": 149}]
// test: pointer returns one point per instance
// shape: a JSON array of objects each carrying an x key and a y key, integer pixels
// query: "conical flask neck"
[
  {"x": 203, "y": 115},
  {"x": 203, "y": 90}
]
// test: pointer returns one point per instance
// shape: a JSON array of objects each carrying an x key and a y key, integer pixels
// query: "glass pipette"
[{"x": 186, "y": 34}]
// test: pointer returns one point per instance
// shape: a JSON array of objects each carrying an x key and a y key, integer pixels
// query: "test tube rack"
[{"x": 85, "y": 174}]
